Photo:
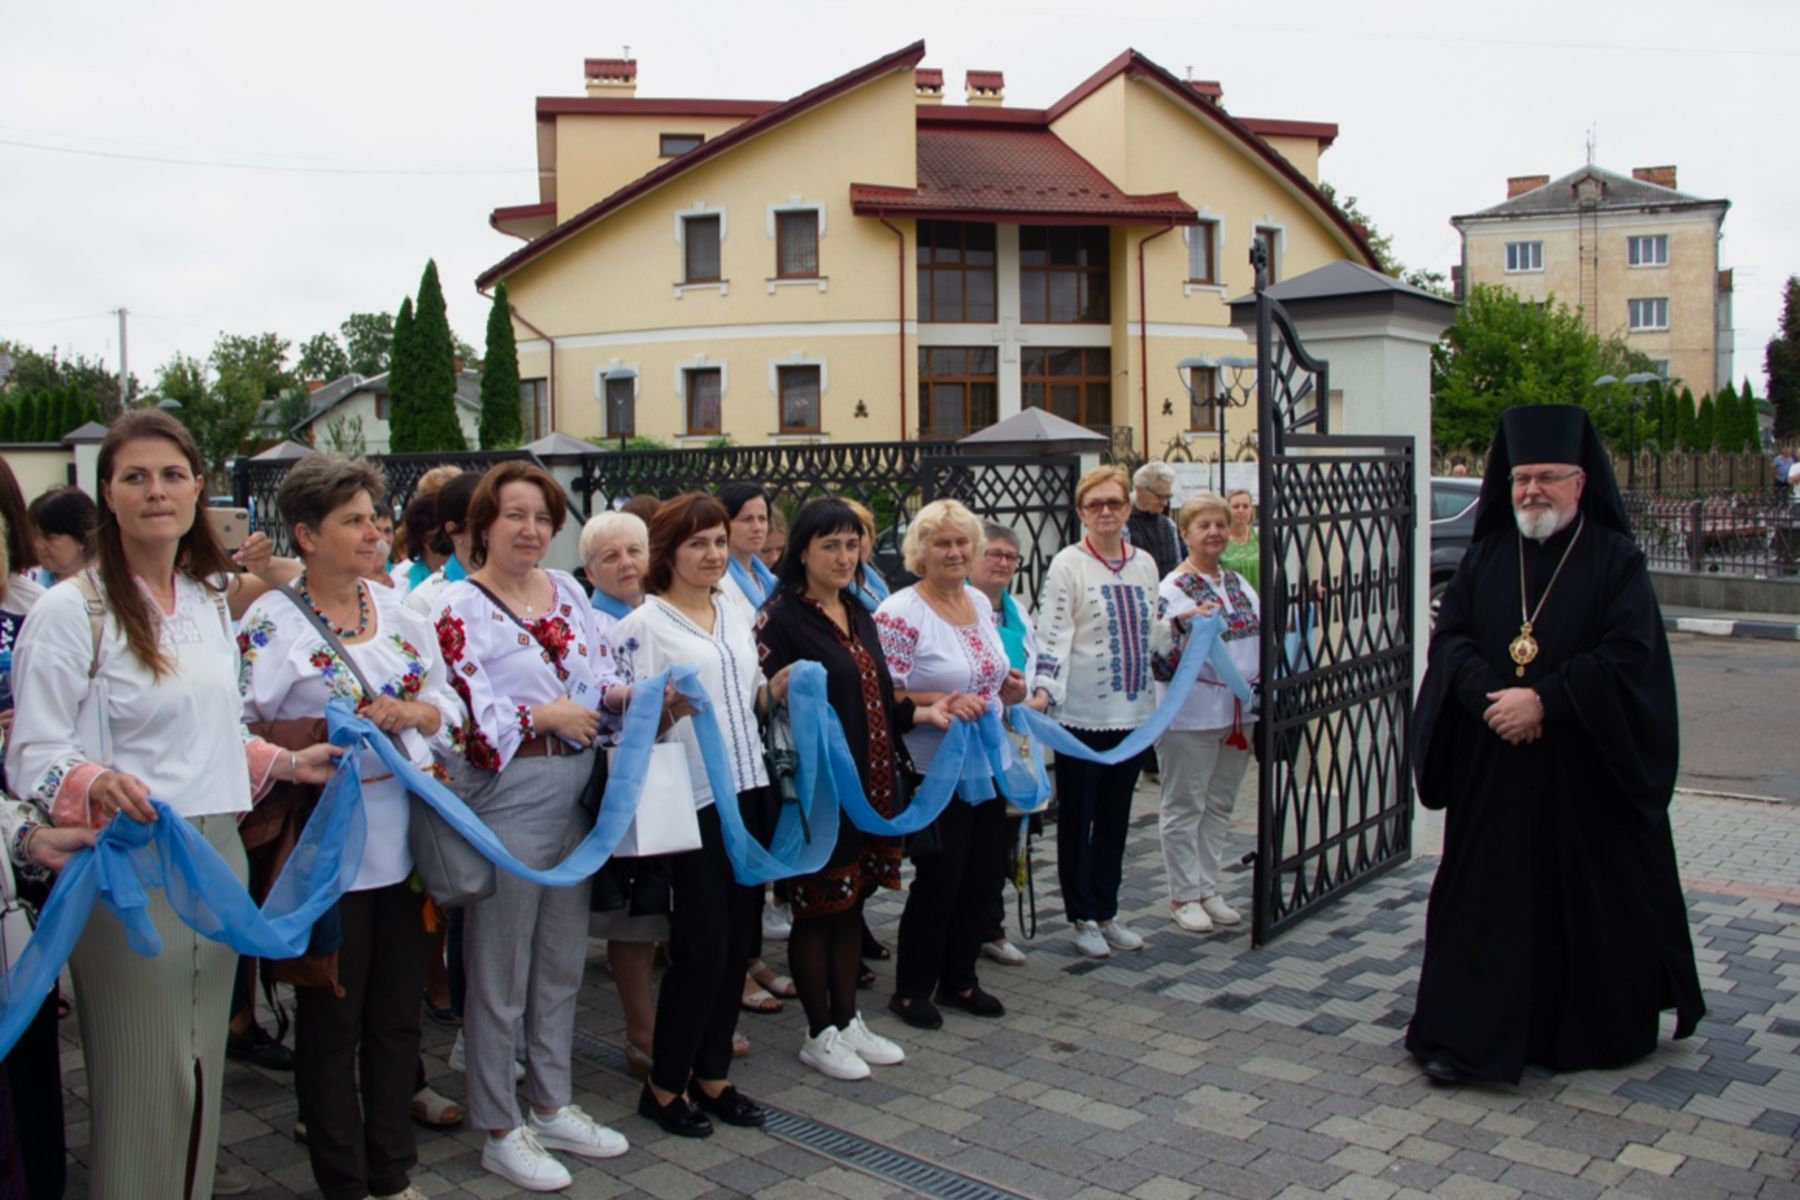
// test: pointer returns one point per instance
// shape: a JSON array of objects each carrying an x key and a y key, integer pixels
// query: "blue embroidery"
[{"x": 1128, "y": 637}]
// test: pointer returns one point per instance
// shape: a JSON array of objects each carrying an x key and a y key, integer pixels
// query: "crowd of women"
[{"x": 156, "y": 668}]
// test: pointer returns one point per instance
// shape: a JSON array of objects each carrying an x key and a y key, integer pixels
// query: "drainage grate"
[{"x": 902, "y": 1170}]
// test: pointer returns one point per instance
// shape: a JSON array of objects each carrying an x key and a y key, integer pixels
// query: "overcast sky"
[{"x": 355, "y": 140}]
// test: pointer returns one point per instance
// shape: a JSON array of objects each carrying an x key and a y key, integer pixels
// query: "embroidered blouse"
[
  {"x": 606, "y": 620},
  {"x": 1210, "y": 705},
  {"x": 1093, "y": 636},
  {"x": 289, "y": 672},
  {"x": 658, "y": 636},
  {"x": 926, "y": 653},
  {"x": 502, "y": 669}
]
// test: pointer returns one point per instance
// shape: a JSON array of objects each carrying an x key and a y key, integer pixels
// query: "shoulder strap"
[
  {"x": 88, "y": 581},
  {"x": 336, "y": 645},
  {"x": 503, "y": 606}
]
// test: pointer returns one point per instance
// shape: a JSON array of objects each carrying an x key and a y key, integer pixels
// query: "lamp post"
[
  {"x": 1635, "y": 382},
  {"x": 1233, "y": 394}
]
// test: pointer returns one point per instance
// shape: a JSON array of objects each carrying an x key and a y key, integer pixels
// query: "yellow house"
[
  {"x": 867, "y": 263},
  {"x": 1637, "y": 257}
]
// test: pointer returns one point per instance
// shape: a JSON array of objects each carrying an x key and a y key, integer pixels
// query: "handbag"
[
  {"x": 666, "y": 822},
  {"x": 783, "y": 762}
]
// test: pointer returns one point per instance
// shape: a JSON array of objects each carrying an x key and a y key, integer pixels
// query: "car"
[{"x": 1453, "y": 503}]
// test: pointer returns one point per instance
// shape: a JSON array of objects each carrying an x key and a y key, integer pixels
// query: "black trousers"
[
  {"x": 1094, "y": 815},
  {"x": 949, "y": 905},
  {"x": 34, "y": 1078},
  {"x": 709, "y": 949},
  {"x": 356, "y": 1057}
]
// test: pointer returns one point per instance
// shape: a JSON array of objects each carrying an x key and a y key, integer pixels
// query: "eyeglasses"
[
  {"x": 1165, "y": 497},
  {"x": 1103, "y": 506},
  {"x": 1524, "y": 479},
  {"x": 1001, "y": 556}
]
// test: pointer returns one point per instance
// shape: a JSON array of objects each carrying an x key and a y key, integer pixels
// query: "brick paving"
[{"x": 1200, "y": 1067}]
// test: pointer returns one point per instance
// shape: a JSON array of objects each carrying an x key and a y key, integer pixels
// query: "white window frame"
[
  {"x": 798, "y": 358},
  {"x": 1662, "y": 366},
  {"x": 794, "y": 203},
  {"x": 637, "y": 388},
  {"x": 1532, "y": 252},
  {"x": 700, "y": 362},
  {"x": 1188, "y": 286},
  {"x": 700, "y": 209},
  {"x": 1633, "y": 311},
  {"x": 1637, "y": 241}
]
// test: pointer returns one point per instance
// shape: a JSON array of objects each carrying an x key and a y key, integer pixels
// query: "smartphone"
[{"x": 232, "y": 525}]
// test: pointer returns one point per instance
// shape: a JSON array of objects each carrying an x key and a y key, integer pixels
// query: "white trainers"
[
  {"x": 1192, "y": 917},
  {"x": 457, "y": 1062},
  {"x": 1220, "y": 912},
  {"x": 777, "y": 921},
  {"x": 830, "y": 1055},
  {"x": 1003, "y": 952},
  {"x": 870, "y": 1046},
  {"x": 522, "y": 1161},
  {"x": 411, "y": 1193},
  {"x": 1089, "y": 940},
  {"x": 573, "y": 1130},
  {"x": 1119, "y": 936}
]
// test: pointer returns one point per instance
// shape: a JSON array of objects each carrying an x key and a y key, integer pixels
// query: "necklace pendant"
[{"x": 1523, "y": 649}]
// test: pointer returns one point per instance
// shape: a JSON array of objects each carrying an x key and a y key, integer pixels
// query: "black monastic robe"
[{"x": 1556, "y": 931}]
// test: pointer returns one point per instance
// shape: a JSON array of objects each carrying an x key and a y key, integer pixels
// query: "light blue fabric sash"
[
  {"x": 869, "y": 588},
  {"x": 756, "y": 583},
  {"x": 612, "y": 606}
]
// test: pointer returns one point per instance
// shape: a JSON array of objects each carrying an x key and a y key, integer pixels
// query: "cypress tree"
[
  {"x": 501, "y": 422},
  {"x": 1703, "y": 426},
  {"x": 436, "y": 362},
  {"x": 402, "y": 389},
  {"x": 31, "y": 419},
  {"x": 1684, "y": 419},
  {"x": 9, "y": 421},
  {"x": 1752, "y": 427},
  {"x": 69, "y": 412},
  {"x": 1725, "y": 420}
]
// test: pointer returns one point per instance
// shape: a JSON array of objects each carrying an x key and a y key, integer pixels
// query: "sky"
[{"x": 247, "y": 167}]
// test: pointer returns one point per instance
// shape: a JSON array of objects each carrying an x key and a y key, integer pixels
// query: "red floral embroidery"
[
  {"x": 320, "y": 660},
  {"x": 555, "y": 636},
  {"x": 451, "y": 638}
]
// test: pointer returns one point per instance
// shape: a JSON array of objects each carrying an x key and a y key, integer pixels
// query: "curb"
[{"x": 1783, "y": 631}]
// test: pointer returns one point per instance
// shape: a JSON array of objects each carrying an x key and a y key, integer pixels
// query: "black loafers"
[
  {"x": 732, "y": 1107},
  {"x": 916, "y": 1011},
  {"x": 677, "y": 1116},
  {"x": 977, "y": 1003},
  {"x": 1439, "y": 1069}
]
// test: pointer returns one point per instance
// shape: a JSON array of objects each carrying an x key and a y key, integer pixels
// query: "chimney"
[
  {"x": 928, "y": 85},
  {"x": 986, "y": 87},
  {"x": 1518, "y": 185},
  {"x": 1660, "y": 176},
  {"x": 1208, "y": 90},
  {"x": 612, "y": 78}
]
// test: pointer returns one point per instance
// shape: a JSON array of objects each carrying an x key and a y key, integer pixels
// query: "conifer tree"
[
  {"x": 1782, "y": 360},
  {"x": 1751, "y": 418},
  {"x": 435, "y": 350},
  {"x": 1725, "y": 420},
  {"x": 1684, "y": 419},
  {"x": 1703, "y": 426},
  {"x": 501, "y": 422},
  {"x": 402, "y": 386},
  {"x": 31, "y": 419},
  {"x": 9, "y": 421},
  {"x": 69, "y": 412}
]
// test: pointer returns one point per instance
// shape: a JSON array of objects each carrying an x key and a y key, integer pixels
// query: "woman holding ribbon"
[
  {"x": 1243, "y": 554},
  {"x": 333, "y": 636},
  {"x": 689, "y": 621},
  {"x": 942, "y": 650},
  {"x": 520, "y": 645},
  {"x": 99, "y": 697},
  {"x": 1093, "y": 627},
  {"x": 813, "y": 616},
  {"x": 1204, "y": 753}
]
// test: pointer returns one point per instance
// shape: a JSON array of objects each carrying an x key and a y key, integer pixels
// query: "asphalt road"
[{"x": 1740, "y": 715}]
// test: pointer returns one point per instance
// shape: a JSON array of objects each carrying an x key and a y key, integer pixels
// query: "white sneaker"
[
  {"x": 458, "y": 1063},
  {"x": 777, "y": 921},
  {"x": 1119, "y": 936},
  {"x": 1003, "y": 952},
  {"x": 573, "y": 1130},
  {"x": 1192, "y": 917},
  {"x": 1089, "y": 940},
  {"x": 521, "y": 1160},
  {"x": 1221, "y": 912},
  {"x": 411, "y": 1193},
  {"x": 830, "y": 1055},
  {"x": 870, "y": 1046}
]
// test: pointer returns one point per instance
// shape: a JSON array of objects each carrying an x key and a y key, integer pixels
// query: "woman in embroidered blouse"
[
  {"x": 1242, "y": 552},
  {"x": 1207, "y": 746},
  {"x": 687, "y": 620},
  {"x": 942, "y": 649},
  {"x": 813, "y": 616},
  {"x": 93, "y": 738},
  {"x": 451, "y": 537},
  {"x": 520, "y": 645},
  {"x": 1093, "y": 628},
  {"x": 358, "y": 1122}
]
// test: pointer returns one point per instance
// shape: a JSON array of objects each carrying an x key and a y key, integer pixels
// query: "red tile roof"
[
  {"x": 612, "y": 68},
  {"x": 1024, "y": 174},
  {"x": 929, "y": 77},
  {"x": 987, "y": 81}
]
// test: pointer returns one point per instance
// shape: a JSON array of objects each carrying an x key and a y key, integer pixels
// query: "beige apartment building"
[{"x": 1637, "y": 257}]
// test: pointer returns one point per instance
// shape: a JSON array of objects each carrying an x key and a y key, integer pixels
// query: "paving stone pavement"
[{"x": 1201, "y": 1067}]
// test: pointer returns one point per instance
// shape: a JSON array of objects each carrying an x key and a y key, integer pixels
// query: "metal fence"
[{"x": 1754, "y": 533}]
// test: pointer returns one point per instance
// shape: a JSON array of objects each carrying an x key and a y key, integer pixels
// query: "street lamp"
[
  {"x": 1233, "y": 394},
  {"x": 1634, "y": 404}
]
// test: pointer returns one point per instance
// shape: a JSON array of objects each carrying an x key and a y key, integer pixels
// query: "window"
[
  {"x": 799, "y": 387},
  {"x": 1452, "y": 500},
  {"x": 1072, "y": 383},
  {"x": 959, "y": 390},
  {"x": 621, "y": 406},
  {"x": 1649, "y": 313},
  {"x": 534, "y": 408},
  {"x": 1203, "y": 252},
  {"x": 381, "y": 406},
  {"x": 956, "y": 272},
  {"x": 797, "y": 244},
  {"x": 1650, "y": 251},
  {"x": 672, "y": 144},
  {"x": 1662, "y": 366},
  {"x": 1064, "y": 274},
  {"x": 700, "y": 249},
  {"x": 1271, "y": 241},
  {"x": 1202, "y": 416},
  {"x": 1524, "y": 256},
  {"x": 705, "y": 386}
]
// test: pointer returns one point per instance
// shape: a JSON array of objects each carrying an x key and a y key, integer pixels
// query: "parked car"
[{"x": 1453, "y": 504}]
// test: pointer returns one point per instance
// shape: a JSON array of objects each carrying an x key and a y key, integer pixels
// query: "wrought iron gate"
[{"x": 1334, "y": 796}]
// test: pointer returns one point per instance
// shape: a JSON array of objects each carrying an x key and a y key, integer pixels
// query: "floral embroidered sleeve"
[{"x": 899, "y": 642}]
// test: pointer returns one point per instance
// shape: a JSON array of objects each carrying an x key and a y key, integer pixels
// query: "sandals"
[
  {"x": 775, "y": 985},
  {"x": 740, "y": 1046},
  {"x": 434, "y": 1110},
  {"x": 758, "y": 1000}
]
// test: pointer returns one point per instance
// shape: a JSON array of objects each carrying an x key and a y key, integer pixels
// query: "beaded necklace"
[{"x": 362, "y": 611}]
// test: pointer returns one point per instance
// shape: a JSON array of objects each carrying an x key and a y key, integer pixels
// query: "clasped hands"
[
  {"x": 1516, "y": 714},
  {"x": 121, "y": 792}
]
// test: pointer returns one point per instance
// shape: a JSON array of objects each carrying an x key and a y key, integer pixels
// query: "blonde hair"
[
  {"x": 929, "y": 521},
  {"x": 865, "y": 516},
  {"x": 1202, "y": 502},
  {"x": 1100, "y": 477}
]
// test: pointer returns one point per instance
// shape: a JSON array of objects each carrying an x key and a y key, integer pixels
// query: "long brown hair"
[
  {"x": 675, "y": 522},
  {"x": 20, "y": 547},
  {"x": 199, "y": 555}
]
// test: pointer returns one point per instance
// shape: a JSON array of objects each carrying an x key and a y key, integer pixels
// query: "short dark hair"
[
  {"x": 817, "y": 518},
  {"x": 484, "y": 505},
  {"x": 453, "y": 500},
  {"x": 317, "y": 486},
  {"x": 643, "y": 506},
  {"x": 735, "y": 495},
  {"x": 68, "y": 511},
  {"x": 417, "y": 524},
  {"x": 675, "y": 522}
]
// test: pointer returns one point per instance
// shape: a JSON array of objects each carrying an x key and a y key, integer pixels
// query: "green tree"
[
  {"x": 1728, "y": 421},
  {"x": 1754, "y": 406},
  {"x": 322, "y": 357},
  {"x": 1383, "y": 245},
  {"x": 1703, "y": 425},
  {"x": 9, "y": 420},
  {"x": 36, "y": 371},
  {"x": 220, "y": 414},
  {"x": 434, "y": 401},
  {"x": 1669, "y": 418},
  {"x": 368, "y": 342},
  {"x": 501, "y": 421},
  {"x": 1685, "y": 417},
  {"x": 68, "y": 412},
  {"x": 1781, "y": 358},
  {"x": 31, "y": 418},
  {"x": 291, "y": 408},
  {"x": 403, "y": 372},
  {"x": 254, "y": 363}
]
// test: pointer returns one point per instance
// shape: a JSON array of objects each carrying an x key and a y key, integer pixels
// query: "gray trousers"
[
  {"x": 1200, "y": 778},
  {"x": 524, "y": 947}
]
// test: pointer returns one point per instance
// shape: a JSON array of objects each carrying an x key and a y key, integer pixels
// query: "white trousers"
[{"x": 1200, "y": 778}]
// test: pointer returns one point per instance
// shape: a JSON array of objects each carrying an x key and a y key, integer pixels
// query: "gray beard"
[{"x": 1539, "y": 524}]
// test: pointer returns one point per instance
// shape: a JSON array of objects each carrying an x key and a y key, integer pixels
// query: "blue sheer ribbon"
[{"x": 757, "y": 582}]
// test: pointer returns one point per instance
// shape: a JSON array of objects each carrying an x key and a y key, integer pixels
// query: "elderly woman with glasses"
[{"x": 1094, "y": 621}]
